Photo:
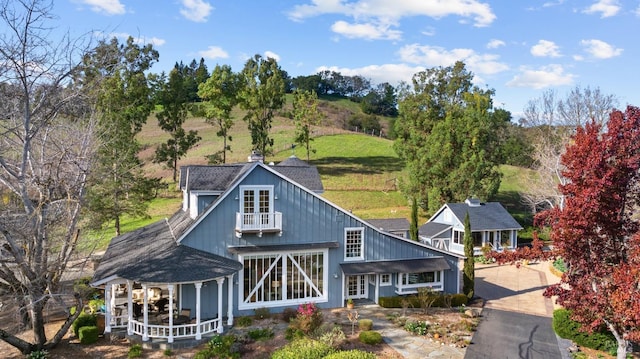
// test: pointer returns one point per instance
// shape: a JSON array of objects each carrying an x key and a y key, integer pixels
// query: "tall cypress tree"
[
  {"x": 469, "y": 263},
  {"x": 413, "y": 230}
]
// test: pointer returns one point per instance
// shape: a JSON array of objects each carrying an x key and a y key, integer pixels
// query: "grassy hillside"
[{"x": 359, "y": 172}]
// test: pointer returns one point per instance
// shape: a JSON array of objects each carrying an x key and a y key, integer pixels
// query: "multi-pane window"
[
  {"x": 277, "y": 278},
  {"x": 413, "y": 279},
  {"x": 458, "y": 237},
  {"x": 385, "y": 279},
  {"x": 354, "y": 243},
  {"x": 256, "y": 206}
]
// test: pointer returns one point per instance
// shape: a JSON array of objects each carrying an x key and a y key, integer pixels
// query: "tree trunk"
[{"x": 622, "y": 349}]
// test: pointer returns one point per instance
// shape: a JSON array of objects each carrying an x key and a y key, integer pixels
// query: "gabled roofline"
[
  {"x": 448, "y": 227},
  {"x": 276, "y": 173}
]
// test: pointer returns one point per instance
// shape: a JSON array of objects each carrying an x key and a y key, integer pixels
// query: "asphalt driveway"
[{"x": 516, "y": 319}]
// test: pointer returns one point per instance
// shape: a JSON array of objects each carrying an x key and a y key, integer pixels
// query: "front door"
[{"x": 356, "y": 287}]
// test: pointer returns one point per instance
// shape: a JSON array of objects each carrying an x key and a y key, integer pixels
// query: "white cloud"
[
  {"x": 431, "y": 56},
  {"x": 214, "y": 52},
  {"x": 546, "y": 76},
  {"x": 273, "y": 55},
  {"x": 545, "y": 48},
  {"x": 606, "y": 8},
  {"x": 109, "y": 7},
  {"x": 196, "y": 10},
  {"x": 600, "y": 49},
  {"x": 480, "y": 13},
  {"x": 495, "y": 43},
  {"x": 367, "y": 31}
]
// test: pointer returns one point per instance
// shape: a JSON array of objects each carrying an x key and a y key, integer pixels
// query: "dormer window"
[{"x": 256, "y": 214}]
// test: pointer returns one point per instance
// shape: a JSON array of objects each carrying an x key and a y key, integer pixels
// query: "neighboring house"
[
  {"x": 491, "y": 225},
  {"x": 252, "y": 236},
  {"x": 397, "y": 226}
]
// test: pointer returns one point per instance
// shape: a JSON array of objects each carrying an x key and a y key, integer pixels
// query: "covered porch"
[{"x": 154, "y": 311}]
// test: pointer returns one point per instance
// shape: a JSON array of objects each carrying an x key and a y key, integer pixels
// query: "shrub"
[
  {"x": 441, "y": 300},
  {"x": 135, "y": 351},
  {"x": 96, "y": 305},
  {"x": 244, "y": 321},
  {"x": 351, "y": 354},
  {"x": 262, "y": 313},
  {"x": 84, "y": 320},
  {"x": 260, "y": 334},
  {"x": 87, "y": 292},
  {"x": 88, "y": 335},
  {"x": 365, "y": 324},
  {"x": 332, "y": 337},
  {"x": 167, "y": 352},
  {"x": 220, "y": 346},
  {"x": 569, "y": 329},
  {"x": 308, "y": 318},
  {"x": 417, "y": 327},
  {"x": 303, "y": 349},
  {"x": 559, "y": 265},
  {"x": 288, "y": 314},
  {"x": 370, "y": 337},
  {"x": 38, "y": 354}
]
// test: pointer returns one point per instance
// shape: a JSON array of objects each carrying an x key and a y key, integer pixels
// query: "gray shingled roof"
[
  {"x": 221, "y": 177},
  {"x": 431, "y": 229},
  {"x": 390, "y": 224},
  {"x": 486, "y": 216},
  {"x": 151, "y": 254},
  {"x": 428, "y": 264}
]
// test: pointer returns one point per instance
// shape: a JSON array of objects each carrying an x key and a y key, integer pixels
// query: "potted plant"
[{"x": 349, "y": 303}]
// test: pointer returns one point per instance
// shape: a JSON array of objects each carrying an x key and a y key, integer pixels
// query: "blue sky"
[{"x": 518, "y": 48}]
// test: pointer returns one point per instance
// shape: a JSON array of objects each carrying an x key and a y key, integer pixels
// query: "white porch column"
[
  {"x": 198, "y": 333},
  {"x": 170, "y": 339},
  {"x": 230, "y": 299},
  {"x": 377, "y": 288},
  {"x": 220, "y": 283},
  {"x": 109, "y": 301},
  {"x": 342, "y": 302},
  {"x": 129, "y": 308},
  {"x": 514, "y": 238},
  {"x": 145, "y": 314}
]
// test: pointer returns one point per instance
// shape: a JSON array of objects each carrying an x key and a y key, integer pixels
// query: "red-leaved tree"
[{"x": 597, "y": 231}]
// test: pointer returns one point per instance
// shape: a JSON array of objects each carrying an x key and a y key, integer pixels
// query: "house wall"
[{"x": 305, "y": 219}]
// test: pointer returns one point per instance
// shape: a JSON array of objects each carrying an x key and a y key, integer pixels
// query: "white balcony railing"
[{"x": 258, "y": 223}]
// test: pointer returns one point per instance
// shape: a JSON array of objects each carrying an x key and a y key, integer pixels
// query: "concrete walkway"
[{"x": 409, "y": 346}]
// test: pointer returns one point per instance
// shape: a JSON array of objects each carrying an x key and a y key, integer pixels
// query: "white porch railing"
[
  {"x": 258, "y": 223},
  {"x": 178, "y": 331},
  {"x": 119, "y": 321}
]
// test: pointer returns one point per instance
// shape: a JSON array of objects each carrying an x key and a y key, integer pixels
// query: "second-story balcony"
[{"x": 258, "y": 223}]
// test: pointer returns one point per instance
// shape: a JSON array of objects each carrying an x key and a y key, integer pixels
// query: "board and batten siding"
[{"x": 306, "y": 218}]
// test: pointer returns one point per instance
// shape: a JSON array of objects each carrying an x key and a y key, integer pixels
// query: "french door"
[{"x": 357, "y": 286}]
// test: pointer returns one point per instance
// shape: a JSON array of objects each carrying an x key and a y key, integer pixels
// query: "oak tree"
[{"x": 447, "y": 132}]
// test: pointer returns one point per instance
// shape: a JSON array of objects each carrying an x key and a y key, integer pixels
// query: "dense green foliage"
[
  {"x": 135, "y": 351},
  {"x": 365, "y": 324},
  {"x": 447, "y": 132},
  {"x": 351, "y": 354},
  {"x": 469, "y": 276},
  {"x": 88, "y": 334},
  {"x": 84, "y": 320},
  {"x": 370, "y": 337},
  {"x": 304, "y": 348},
  {"x": 114, "y": 75},
  {"x": 442, "y": 300},
  {"x": 569, "y": 329},
  {"x": 220, "y": 346}
]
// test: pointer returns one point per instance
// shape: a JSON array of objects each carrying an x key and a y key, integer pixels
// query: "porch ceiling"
[{"x": 430, "y": 264}]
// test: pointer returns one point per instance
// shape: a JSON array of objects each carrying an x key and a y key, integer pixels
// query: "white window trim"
[
  {"x": 255, "y": 188},
  {"x": 385, "y": 283},
  {"x": 413, "y": 288},
  {"x": 361, "y": 257},
  {"x": 280, "y": 303}
]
